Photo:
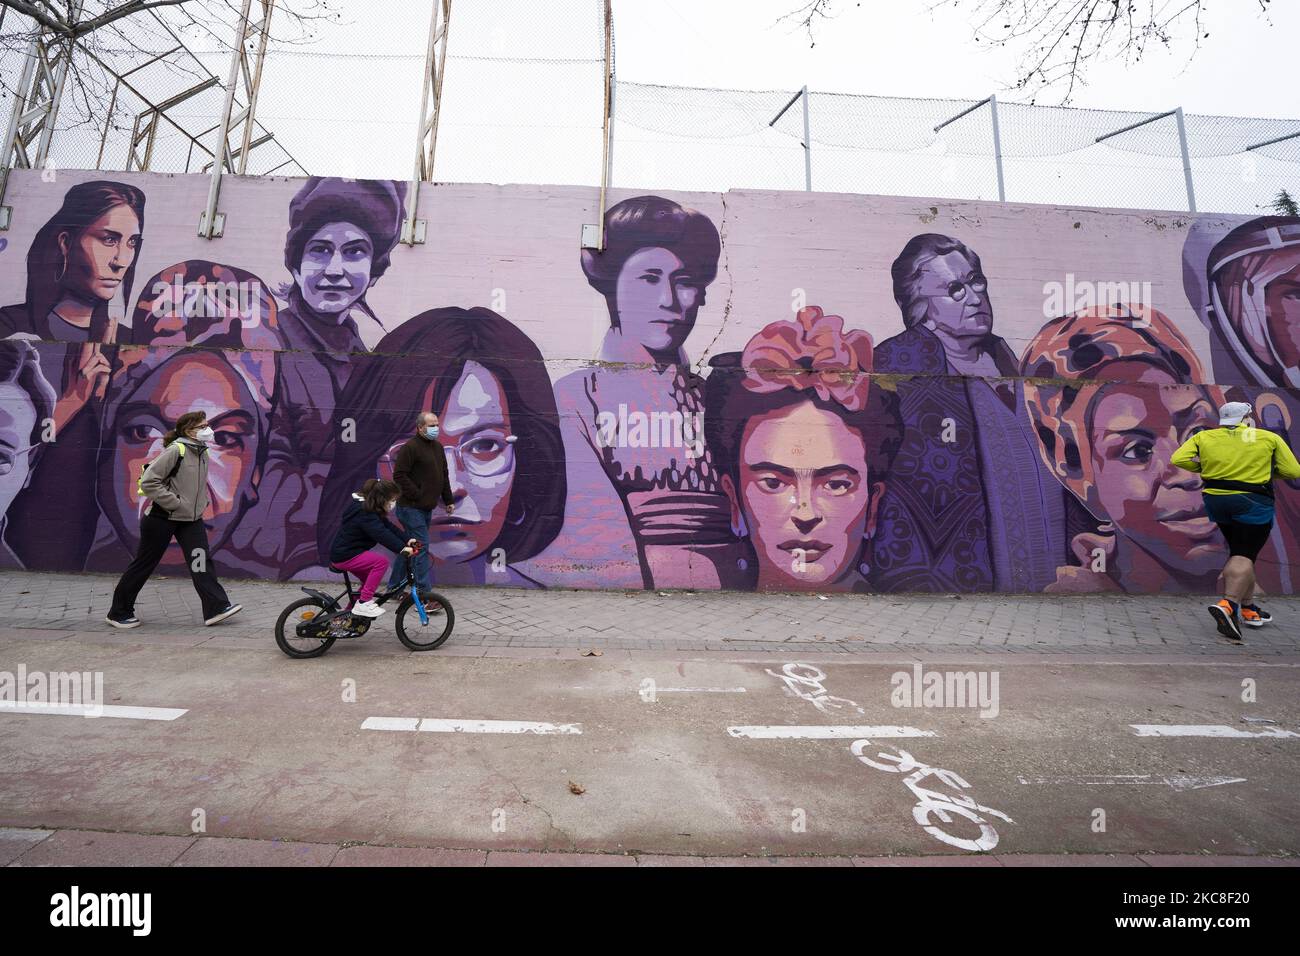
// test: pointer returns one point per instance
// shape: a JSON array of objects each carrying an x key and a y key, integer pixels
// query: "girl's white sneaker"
[{"x": 367, "y": 609}]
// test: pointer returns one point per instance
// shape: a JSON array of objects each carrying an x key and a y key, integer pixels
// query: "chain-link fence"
[{"x": 523, "y": 103}]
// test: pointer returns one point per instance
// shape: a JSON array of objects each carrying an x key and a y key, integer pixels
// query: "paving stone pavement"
[
  {"x": 55, "y": 605},
  {"x": 27, "y": 847}
]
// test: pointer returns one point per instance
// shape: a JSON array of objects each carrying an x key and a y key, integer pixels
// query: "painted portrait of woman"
[
  {"x": 803, "y": 442},
  {"x": 80, "y": 270},
  {"x": 211, "y": 351},
  {"x": 487, "y": 382},
  {"x": 26, "y": 403},
  {"x": 1242, "y": 277},
  {"x": 645, "y": 498},
  {"x": 1121, "y": 394}
]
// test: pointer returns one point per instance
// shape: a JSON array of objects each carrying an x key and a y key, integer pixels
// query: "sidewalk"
[
  {"x": 19, "y": 848},
  {"x": 60, "y": 605}
]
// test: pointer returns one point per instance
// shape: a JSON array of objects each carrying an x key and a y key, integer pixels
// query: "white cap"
[{"x": 1233, "y": 413}]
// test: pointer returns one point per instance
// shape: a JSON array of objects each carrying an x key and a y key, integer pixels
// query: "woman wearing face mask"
[
  {"x": 177, "y": 484},
  {"x": 363, "y": 527}
]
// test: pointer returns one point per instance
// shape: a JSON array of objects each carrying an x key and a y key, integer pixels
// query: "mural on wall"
[
  {"x": 639, "y": 413},
  {"x": 969, "y": 508},
  {"x": 986, "y": 441}
]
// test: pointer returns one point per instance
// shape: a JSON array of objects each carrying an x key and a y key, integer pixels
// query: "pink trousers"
[{"x": 370, "y": 567}]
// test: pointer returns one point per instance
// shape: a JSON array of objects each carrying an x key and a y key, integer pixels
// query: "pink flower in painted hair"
[{"x": 813, "y": 352}]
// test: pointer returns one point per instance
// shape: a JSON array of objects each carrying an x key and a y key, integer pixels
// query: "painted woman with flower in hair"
[
  {"x": 1118, "y": 391},
  {"x": 645, "y": 504},
  {"x": 803, "y": 442}
]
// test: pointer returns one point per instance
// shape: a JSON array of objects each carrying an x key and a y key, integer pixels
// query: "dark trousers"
[
  {"x": 415, "y": 522},
  {"x": 156, "y": 534}
]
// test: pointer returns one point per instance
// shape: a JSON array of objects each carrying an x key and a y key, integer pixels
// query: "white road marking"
[
  {"x": 1205, "y": 730},
  {"x": 451, "y": 725},
  {"x": 89, "y": 710},
  {"x": 1137, "y": 780},
  {"x": 810, "y": 732}
]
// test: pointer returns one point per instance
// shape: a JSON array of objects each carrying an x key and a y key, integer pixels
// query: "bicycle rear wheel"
[
  {"x": 416, "y": 633},
  {"x": 286, "y": 629}
]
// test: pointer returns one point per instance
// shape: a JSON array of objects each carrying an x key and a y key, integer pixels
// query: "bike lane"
[{"x": 271, "y": 748}]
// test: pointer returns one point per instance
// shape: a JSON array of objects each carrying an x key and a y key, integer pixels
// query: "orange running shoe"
[
  {"x": 1254, "y": 616},
  {"x": 1226, "y": 619}
]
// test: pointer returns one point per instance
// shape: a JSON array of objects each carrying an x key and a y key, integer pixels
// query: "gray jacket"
[{"x": 185, "y": 496}]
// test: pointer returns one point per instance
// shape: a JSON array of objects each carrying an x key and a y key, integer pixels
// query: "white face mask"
[{"x": 204, "y": 434}]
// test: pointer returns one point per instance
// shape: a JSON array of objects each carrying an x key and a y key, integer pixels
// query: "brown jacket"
[{"x": 421, "y": 472}]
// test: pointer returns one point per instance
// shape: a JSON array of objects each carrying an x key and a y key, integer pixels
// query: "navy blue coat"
[{"x": 361, "y": 530}]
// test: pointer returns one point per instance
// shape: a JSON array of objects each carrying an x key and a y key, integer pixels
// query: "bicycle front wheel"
[{"x": 433, "y": 630}]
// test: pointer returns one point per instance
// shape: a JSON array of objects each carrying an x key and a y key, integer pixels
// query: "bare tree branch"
[{"x": 1059, "y": 40}]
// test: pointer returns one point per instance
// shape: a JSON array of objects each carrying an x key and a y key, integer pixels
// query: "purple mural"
[
  {"x": 804, "y": 443},
  {"x": 639, "y": 414},
  {"x": 970, "y": 508},
  {"x": 670, "y": 414}
]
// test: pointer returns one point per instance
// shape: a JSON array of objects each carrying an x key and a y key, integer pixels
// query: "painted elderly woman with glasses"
[
  {"x": 487, "y": 383},
  {"x": 970, "y": 507}
]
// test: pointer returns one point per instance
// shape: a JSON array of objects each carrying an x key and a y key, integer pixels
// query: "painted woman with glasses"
[
  {"x": 970, "y": 506},
  {"x": 486, "y": 398}
]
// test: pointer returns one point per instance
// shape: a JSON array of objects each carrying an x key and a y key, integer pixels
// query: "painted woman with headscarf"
[
  {"x": 80, "y": 269},
  {"x": 208, "y": 340},
  {"x": 1112, "y": 392}
]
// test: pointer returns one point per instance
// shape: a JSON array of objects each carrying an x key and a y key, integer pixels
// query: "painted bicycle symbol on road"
[{"x": 932, "y": 805}]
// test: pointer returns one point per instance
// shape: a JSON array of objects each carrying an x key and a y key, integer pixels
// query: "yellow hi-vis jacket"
[{"x": 1241, "y": 453}]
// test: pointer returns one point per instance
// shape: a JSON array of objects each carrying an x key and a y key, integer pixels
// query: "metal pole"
[
  {"x": 435, "y": 57},
  {"x": 1276, "y": 139},
  {"x": 15, "y": 120},
  {"x": 807, "y": 146},
  {"x": 268, "y": 7},
  {"x": 997, "y": 148},
  {"x": 604, "y": 149},
  {"x": 1187, "y": 160},
  {"x": 207, "y": 225},
  {"x": 56, "y": 94},
  {"x": 613, "y": 111},
  {"x": 108, "y": 121}
]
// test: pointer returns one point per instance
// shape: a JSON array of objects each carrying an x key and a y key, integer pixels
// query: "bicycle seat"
[{"x": 336, "y": 569}]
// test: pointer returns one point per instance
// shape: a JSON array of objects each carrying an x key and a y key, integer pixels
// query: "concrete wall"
[{"x": 744, "y": 390}]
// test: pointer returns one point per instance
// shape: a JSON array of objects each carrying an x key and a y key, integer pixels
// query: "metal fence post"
[
  {"x": 1187, "y": 159},
  {"x": 807, "y": 146},
  {"x": 997, "y": 147}
]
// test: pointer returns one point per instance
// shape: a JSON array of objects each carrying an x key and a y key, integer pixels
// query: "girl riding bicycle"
[{"x": 363, "y": 527}]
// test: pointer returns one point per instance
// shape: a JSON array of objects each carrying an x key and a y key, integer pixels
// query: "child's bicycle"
[{"x": 309, "y": 626}]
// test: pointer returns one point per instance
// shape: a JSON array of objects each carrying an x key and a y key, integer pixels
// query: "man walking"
[
  {"x": 1237, "y": 462},
  {"x": 420, "y": 470}
]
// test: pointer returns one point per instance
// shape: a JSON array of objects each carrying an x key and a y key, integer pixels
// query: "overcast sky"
[{"x": 926, "y": 48}]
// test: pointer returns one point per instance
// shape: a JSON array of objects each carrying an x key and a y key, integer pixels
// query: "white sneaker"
[{"x": 367, "y": 609}]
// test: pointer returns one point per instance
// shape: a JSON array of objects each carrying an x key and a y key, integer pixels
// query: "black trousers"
[{"x": 156, "y": 534}]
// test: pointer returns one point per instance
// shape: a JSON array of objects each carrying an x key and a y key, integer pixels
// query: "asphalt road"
[{"x": 663, "y": 752}]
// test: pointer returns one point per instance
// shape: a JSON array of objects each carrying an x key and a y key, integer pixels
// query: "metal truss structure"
[
  {"x": 160, "y": 91},
  {"x": 426, "y": 141}
]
